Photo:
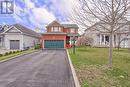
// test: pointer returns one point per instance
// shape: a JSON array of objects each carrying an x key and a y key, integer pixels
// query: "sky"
[{"x": 38, "y": 13}]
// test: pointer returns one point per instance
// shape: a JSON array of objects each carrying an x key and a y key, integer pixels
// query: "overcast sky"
[{"x": 38, "y": 13}]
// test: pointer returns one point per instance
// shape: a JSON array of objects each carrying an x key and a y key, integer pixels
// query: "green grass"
[
  {"x": 92, "y": 70},
  {"x": 10, "y": 56}
]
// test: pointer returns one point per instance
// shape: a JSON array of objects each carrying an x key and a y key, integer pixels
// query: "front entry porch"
[
  {"x": 104, "y": 39},
  {"x": 70, "y": 41}
]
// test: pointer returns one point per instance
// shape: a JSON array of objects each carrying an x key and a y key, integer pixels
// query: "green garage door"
[{"x": 54, "y": 44}]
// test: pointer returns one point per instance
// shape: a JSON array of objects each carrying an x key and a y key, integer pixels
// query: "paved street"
[{"x": 47, "y": 68}]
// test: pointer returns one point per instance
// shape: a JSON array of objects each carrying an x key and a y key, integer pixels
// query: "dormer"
[{"x": 55, "y": 26}]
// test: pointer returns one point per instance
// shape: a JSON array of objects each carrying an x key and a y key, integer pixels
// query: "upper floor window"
[
  {"x": 55, "y": 29},
  {"x": 72, "y": 30}
]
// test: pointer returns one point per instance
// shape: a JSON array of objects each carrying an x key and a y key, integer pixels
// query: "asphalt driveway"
[{"x": 47, "y": 68}]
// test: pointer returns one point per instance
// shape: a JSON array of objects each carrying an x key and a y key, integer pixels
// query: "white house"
[
  {"x": 101, "y": 39},
  {"x": 18, "y": 37}
]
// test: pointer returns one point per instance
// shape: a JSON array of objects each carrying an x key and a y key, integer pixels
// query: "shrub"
[
  {"x": 14, "y": 51},
  {"x": 85, "y": 41},
  {"x": 38, "y": 46},
  {"x": 17, "y": 51},
  {"x": 10, "y": 52},
  {"x": 6, "y": 53},
  {"x": 25, "y": 48},
  {"x": 1, "y": 55}
]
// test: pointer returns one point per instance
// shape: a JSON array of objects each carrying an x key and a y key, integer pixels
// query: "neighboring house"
[
  {"x": 59, "y": 35},
  {"x": 18, "y": 37},
  {"x": 2, "y": 29},
  {"x": 101, "y": 39}
]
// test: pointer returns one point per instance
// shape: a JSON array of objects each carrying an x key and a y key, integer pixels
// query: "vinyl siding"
[{"x": 9, "y": 37}]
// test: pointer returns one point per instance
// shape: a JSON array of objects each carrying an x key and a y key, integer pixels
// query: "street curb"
[
  {"x": 76, "y": 81},
  {"x": 17, "y": 56}
]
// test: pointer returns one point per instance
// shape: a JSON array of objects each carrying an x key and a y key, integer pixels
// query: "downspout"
[{"x": 22, "y": 45}]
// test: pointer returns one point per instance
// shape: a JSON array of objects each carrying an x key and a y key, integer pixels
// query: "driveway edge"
[
  {"x": 17, "y": 56},
  {"x": 76, "y": 81}
]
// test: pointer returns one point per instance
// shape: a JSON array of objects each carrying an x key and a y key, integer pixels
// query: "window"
[
  {"x": 55, "y": 29},
  {"x": 114, "y": 38},
  {"x": 107, "y": 38},
  {"x": 72, "y": 30}
]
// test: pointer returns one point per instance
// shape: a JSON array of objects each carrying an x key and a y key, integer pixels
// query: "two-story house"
[{"x": 59, "y": 35}]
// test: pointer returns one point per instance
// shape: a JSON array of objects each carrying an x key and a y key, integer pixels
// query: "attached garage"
[
  {"x": 14, "y": 44},
  {"x": 54, "y": 44}
]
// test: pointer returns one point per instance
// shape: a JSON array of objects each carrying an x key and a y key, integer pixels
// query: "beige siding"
[
  {"x": 28, "y": 41},
  {"x": 9, "y": 37}
]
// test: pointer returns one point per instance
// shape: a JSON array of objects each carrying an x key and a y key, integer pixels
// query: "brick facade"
[{"x": 62, "y": 35}]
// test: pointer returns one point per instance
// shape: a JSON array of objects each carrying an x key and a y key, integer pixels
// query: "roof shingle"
[
  {"x": 27, "y": 31},
  {"x": 70, "y": 26}
]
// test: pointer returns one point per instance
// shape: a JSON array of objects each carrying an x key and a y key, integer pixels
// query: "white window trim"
[{"x": 53, "y": 29}]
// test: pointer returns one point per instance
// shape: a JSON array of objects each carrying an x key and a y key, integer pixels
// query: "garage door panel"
[
  {"x": 54, "y": 44},
  {"x": 14, "y": 44}
]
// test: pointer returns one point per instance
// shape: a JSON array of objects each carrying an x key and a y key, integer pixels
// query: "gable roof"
[
  {"x": 54, "y": 22},
  {"x": 63, "y": 25},
  {"x": 4, "y": 28},
  {"x": 27, "y": 31},
  {"x": 123, "y": 21}
]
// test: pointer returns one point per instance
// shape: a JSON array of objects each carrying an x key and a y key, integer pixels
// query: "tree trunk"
[
  {"x": 119, "y": 42},
  {"x": 129, "y": 46},
  {"x": 110, "y": 50},
  {"x": 129, "y": 50}
]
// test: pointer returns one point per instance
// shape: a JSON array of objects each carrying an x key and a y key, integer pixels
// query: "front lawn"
[
  {"x": 90, "y": 65},
  {"x": 13, "y": 55}
]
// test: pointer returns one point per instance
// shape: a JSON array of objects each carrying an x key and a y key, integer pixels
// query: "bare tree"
[{"x": 107, "y": 14}]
